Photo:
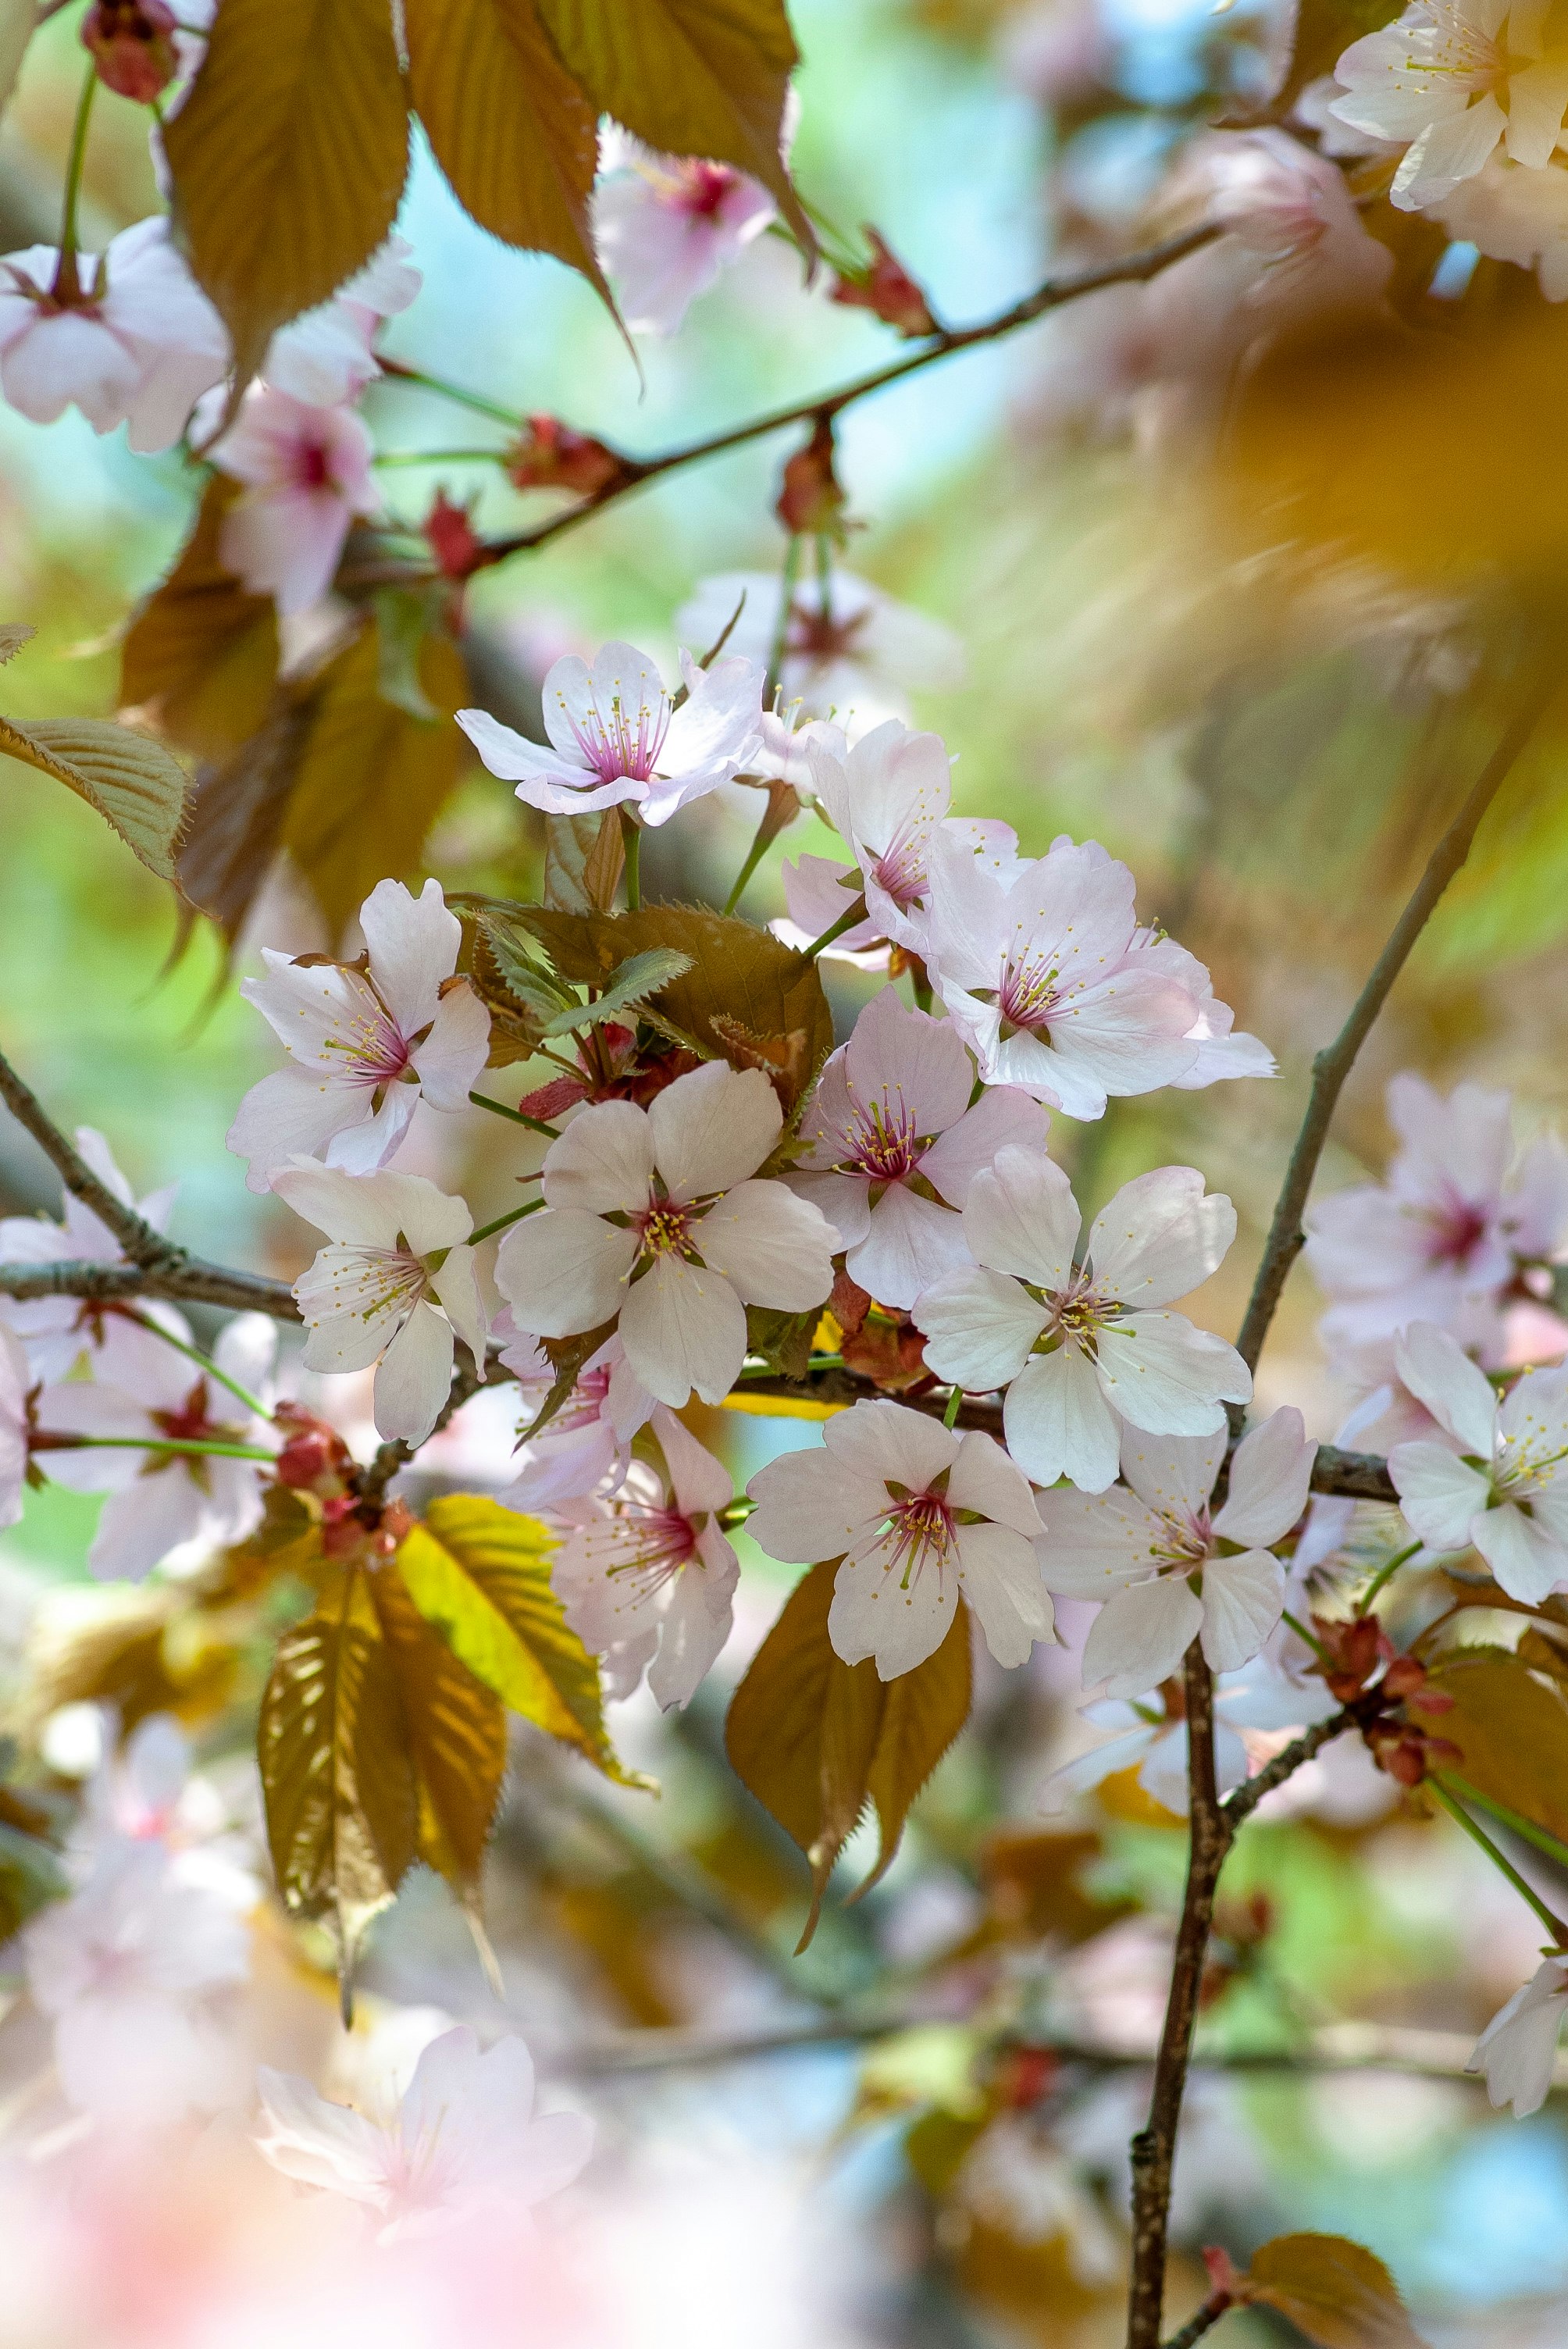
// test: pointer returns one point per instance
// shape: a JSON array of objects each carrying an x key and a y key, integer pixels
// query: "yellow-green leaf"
[
  {"x": 289, "y": 156},
  {"x": 18, "y": 20},
  {"x": 510, "y": 129},
  {"x": 1339, "y": 2294},
  {"x": 457, "y": 1736},
  {"x": 201, "y": 654},
  {"x": 135, "y": 784},
  {"x": 481, "y": 1575}
]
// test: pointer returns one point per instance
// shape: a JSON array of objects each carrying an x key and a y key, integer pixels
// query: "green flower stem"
[
  {"x": 394, "y": 370},
  {"x": 68, "y": 285},
  {"x": 857, "y": 913},
  {"x": 516, "y": 1214},
  {"x": 1520, "y": 1825},
  {"x": 440, "y": 457},
  {"x": 182, "y": 1443},
  {"x": 738, "y": 1510},
  {"x": 631, "y": 832},
  {"x": 1384, "y": 1576},
  {"x": 205, "y": 1362},
  {"x": 1456, "y": 1810},
  {"x": 1316, "y": 1644},
  {"x": 499, "y": 1109},
  {"x": 955, "y": 1405}
]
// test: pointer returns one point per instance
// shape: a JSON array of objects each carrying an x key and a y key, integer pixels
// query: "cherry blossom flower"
[
  {"x": 57, "y": 1332},
  {"x": 1082, "y": 1347},
  {"x": 647, "y": 1578},
  {"x": 1511, "y": 212},
  {"x": 464, "y": 2143},
  {"x": 615, "y": 735},
  {"x": 1168, "y": 1571},
  {"x": 850, "y": 653},
  {"x": 921, "y": 1517},
  {"x": 893, "y": 1145},
  {"x": 1145, "y": 1736},
  {"x": 16, "y": 1380},
  {"x": 666, "y": 226},
  {"x": 326, "y": 357},
  {"x": 139, "y": 346},
  {"x": 1505, "y": 1491},
  {"x": 307, "y": 473},
  {"x": 694, "y": 1243},
  {"x": 1291, "y": 209},
  {"x": 1047, "y": 976},
  {"x": 395, "y": 1286},
  {"x": 368, "y": 1043},
  {"x": 587, "y": 1446},
  {"x": 1517, "y": 2051},
  {"x": 1456, "y": 79}
]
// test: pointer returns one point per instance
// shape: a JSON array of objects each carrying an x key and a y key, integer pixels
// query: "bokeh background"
[{"x": 1269, "y": 736}]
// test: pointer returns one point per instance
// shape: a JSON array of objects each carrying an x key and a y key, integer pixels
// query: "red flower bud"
[
  {"x": 811, "y": 502},
  {"x": 889, "y": 291},
  {"x": 132, "y": 44},
  {"x": 450, "y": 535},
  {"x": 552, "y": 456}
]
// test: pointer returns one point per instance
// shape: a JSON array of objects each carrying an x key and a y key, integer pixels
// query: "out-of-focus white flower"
[
  {"x": 1313, "y": 111},
  {"x": 57, "y": 1331},
  {"x": 893, "y": 1146},
  {"x": 1168, "y": 1571},
  {"x": 587, "y": 1446},
  {"x": 921, "y": 1517},
  {"x": 1456, "y": 79},
  {"x": 698, "y": 1241},
  {"x": 395, "y": 1286},
  {"x": 646, "y": 1576},
  {"x": 1505, "y": 1490},
  {"x": 1015, "y": 2179},
  {"x": 1143, "y": 1735},
  {"x": 465, "y": 2143},
  {"x": 367, "y": 1044},
  {"x": 1517, "y": 2051},
  {"x": 142, "y": 1392},
  {"x": 1511, "y": 212},
  {"x": 139, "y": 346},
  {"x": 326, "y": 355},
  {"x": 1082, "y": 1347},
  {"x": 850, "y": 653},
  {"x": 1293, "y": 209},
  {"x": 615, "y": 735},
  {"x": 666, "y": 226},
  {"x": 306, "y": 471}
]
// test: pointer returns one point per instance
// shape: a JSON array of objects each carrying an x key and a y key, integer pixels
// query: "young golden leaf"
[
  {"x": 337, "y": 1775},
  {"x": 455, "y": 1730},
  {"x": 1510, "y": 1725},
  {"x": 925, "y": 1711},
  {"x": 585, "y": 857},
  {"x": 511, "y": 130},
  {"x": 289, "y": 158},
  {"x": 136, "y": 785},
  {"x": 480, "y": 1574},
  {"x": 704, "y": 78},
  {"x": 237, "y": 811},
  {"x": 201, "y": 654},
  {"x": 1339, "y": 2294}
]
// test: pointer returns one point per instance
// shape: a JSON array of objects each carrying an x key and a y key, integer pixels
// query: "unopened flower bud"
[
  {"x": 888, "y": 291},
  {"x": 552, "y": 456},
  {"x": 811, "y": 502},
  {"x": 132, "y": 44},
  {"x": 450, "y": 535}
]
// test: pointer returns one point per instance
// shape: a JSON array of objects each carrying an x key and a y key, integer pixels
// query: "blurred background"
[{"x": 882, "y": 2141}]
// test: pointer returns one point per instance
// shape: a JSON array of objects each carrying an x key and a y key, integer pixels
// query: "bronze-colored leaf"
[
  {"x": 925, "y": 1711},
  {"x": 289, "y": 158},
  {"x": 201, "y": 658},
  {"x": 1339, "y": 2294},
  {"x": 511, "y": 130},
  {"x": 783, "y": 1339},
  {"x": 136, "y": 785},
  {"x": 14, "y": 634},
  {"x": 1510, "y": 1725},
  {"x": 584, "y": 857},
  {"x": 455, "y": 1730},
  {"x": 782, "y": 1058},
  {"x": 18, "y": 22},
  {"x": 237, "y": 811}
]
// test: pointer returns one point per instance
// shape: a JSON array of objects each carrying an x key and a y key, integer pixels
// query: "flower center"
[
  {"x": 883, "y": 1143},
  {"x": 370, "y": 1043},
  {"x": 814, "y": 634},
  {"x": 1078, "y": 1312},
  {"x": 900, "y": 868},
  {"x": 664, "y": 1229},
  {"x": 919, "y": 1533},
  {"x": 1180, "y": 1543},
  {"x": 1456, "y": 1227},
  {"x": 311, "y": 469},
  {"x": 1028, "y": 996},
  {"x": 622, "y": 741},
  {"x": 704, "y": 188}
]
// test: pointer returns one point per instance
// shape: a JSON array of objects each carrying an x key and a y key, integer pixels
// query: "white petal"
[
  {"x": 777, "y": 1249},
  {"x": 1518, "y": 2049},
  {"x": 1526, "y": 1560},
  {"x": 978, "y": 1328},
  {"x": 683, "y": 1327},
  {"x": 1160, "y": 1237},
  {"x": 879, "y": 1610},
  {"x": 1172, "y": 1473},
  {"x": 414, "y": 1376},
  {"x": 457, "y": 1286},
  {"x": 886, "y": 1440},
  {"x": 1161, "y": 1373},
  {"x": 983, "y": 1477},
  {"x": 1438, "y": 1496},
  {"x": 911, "y": 1243},
  {"x": 697, "y": 1622},
  {"x": 809, "y": 1507},
  {"x": 1271, "y": 1477},
  {"x": 564, "y": 1271},
  {"x": 1001, "y": 1119},
  {"x": 1439, "y": 1373},
  {"x": 713, "y": 1128},
  {"x": 1021, "y": 1217},
  {"x": 999, "y": 1575},
  {"x": 448, "y": 1063},
  {"x": 544, "y": 779},
  {"x": 697, "y": 1480},
  {"x": 1058, "y": 1423},
  {"x": 293, "y": 1112},
  {"x": 604, "y": 1163},
  {"x": 350, "y": 1208},
  {"x": 1243, "y": 1597},
  {"x": 141, "y": 1525},
  {"x": 1095, "y": 1543},
  {"x": 414, "y": 944},
  {"x": 1139, "y": 1637}
]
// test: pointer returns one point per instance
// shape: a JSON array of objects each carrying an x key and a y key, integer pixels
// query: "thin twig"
[
  {"x": 1243, "y": 1802},
  {"x": 184, "y": 1279},
  {"x": 1213, "y": 2308},
  {"x": 396, "y": 1453}
]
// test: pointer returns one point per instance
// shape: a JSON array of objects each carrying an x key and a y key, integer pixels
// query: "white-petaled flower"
[
  {"x": 367, "y": 1044},
  {"x": 1511, "y": 212},
  {"x": 1517, "y": 2051},
  {"x": 1152, "y": 1738},
  {"x": 395, "y": 1286},
  {"x": 139, "y": 346},
  {"x": 307, "y": 473},
  {"x": 587, "y": 1446},
  {"x": 893, "y": 1146},
  {"x": 646, "y": 1577},
  {"x": 58, "y": 1330},
  {"x": 1081, "y": 1347},
  {"x": 1049, "y": 978},
  {"x": 1169, "y": 1571},
  {"x": 850, "y": 653},
  {"x": 615, "y": 735},
  {"x": 326, "y": 355},
  {"x": 464, "y": 2143},
  {"x": 1505, "y": 1491},
  {"x": 921, "y": 1517},
  {"x": 666, "y": 226},
  {"x": 650, "y": 1217},
  {"x": 144, "y": 1391},
  {"x": 16, "y": 1380},
  {"x": 1456, "y": 79},
  {"x": 1291, "y": 208}
]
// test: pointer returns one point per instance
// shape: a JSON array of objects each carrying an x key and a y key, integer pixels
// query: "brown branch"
[
  {"x": 1244, "y": 1800},
  {"x": 142, "y": 1244},
  {"x": 183, "y": 1278},
  {"x": 1196, "y": 2326},
  {"x": 397, "y": 1454}
]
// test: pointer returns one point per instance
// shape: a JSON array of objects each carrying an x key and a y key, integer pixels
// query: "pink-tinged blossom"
[
  {"x": 696, "y": 1241},
  {"x": 1292, "y": 209},
  {"x": 587, "y": 1446},
  {"x": 646, "y": 1576},
  {"x": 139, "y": 346},
  {"x": 1048, "y": 977},
  {"x": 920, "y": 1516},
  {"x": 616, "y": 737},
  {"x": 850, "y": 653},
  {"x": 327, "y": 356},
  {"x": 1456, "y": 79},
  {"x": 1511, "y": 212},
  {"x": 365, "y": 1044},
  {"x": 1082, "y": 1347},
  {"x": 306, "y": 474},
  {"x": 143, "y": 1389},
  {"x": 396, "y": 1287},
  {"x": 465, "y": 2143},
  {"x": 58, "y": 1330},
  {"x": 666, "y": 226},
  {"x": 1504, "y": 1489},
  {"x": 892, "y": 1146},
  {"x": 1168, "y": 1568},
  {"x": 1517, "y": 2051}
]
